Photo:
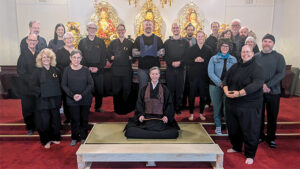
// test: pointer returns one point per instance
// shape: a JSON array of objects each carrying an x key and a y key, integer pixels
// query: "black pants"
[
  {"x": 175, "y": 83},
  {"x": 99, "y": 88},
  {"x": 198, "y": 86},
  {"x": 186, "y": 89},
  {"x": 243, "y": 127},
  {"x": 28, "y": 111},
  {"x": 121, "y": 87},
  {"x": 271, "y": 103},
  {"x": 48, "y": 125},
  {"x": 79, "y": 121},
  {"x": 65, "y": 106}
]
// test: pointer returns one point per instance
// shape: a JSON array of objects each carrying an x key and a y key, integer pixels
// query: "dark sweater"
[
  {"x": 273, "y": 65},
  {"x": 176, "y": 50},
  {"x": 199, "y": 69},
  {"x": 212, "y": 42},
  {"x": 121, "y": 52},
  {"x": 59, "y": 44},
  {"x": 147, "y": 62},
  {"x": 46, "y": 88},
  {"x": 94, "y": 52},
  {"x": 25, "y": 67},
  {"x": 78, "y": 82},
  {"x": 62, "y": 59},
  {"x": 247, "y": 76},
  {"x": 41, "y": 44}
]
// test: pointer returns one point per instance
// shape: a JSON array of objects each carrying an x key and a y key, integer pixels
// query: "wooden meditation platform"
[{"x": 107, "y": 143}]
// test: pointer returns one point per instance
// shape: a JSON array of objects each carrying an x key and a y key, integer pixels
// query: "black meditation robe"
[{"x": 153, "y": 129}]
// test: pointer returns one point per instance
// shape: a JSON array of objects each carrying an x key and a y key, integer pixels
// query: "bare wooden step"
[{"x": 151, "y": 153}]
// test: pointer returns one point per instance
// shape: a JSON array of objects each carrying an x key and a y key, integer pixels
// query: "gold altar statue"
[
  {"x": 74, "y": 28},
  {"x": 190, "y": 14},
  {"x": 149, "y": 12},
  {"x": 223, "y": 27},
  {"x": 106, "y": 19}
]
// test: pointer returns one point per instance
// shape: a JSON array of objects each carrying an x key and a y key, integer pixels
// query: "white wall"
[
  {"x": 286, "y": 29},
  {"x": 262, "y": 16}
]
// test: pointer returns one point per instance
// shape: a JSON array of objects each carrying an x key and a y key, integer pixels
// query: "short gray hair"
[
  {"x": 236, "y": 20},
  {"x": 32, "y": 22},
  {"x": 250, "y": 38},
  {"x": 154, "y": 68},
  {"x": 66, "y": 34},
  {"x": 75, "y": 51},
  {"x": 91, "y": 23}
]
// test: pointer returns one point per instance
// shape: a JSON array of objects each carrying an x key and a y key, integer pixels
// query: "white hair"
[
  {"x": 250, "y": 38},
  {"x": 236, "y": 20},
  {"x": 91, "y": 23},
  {"x": 66, "y": 34}
]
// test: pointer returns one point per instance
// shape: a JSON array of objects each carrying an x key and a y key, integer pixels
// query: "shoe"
[
  {"x": 99, "y": 110},
  {"x": 202, "y": 117},
  {"x": 82, "y": 141},
  {"x": 73, "y": 142},
  {"x": 272, "y": 144},
  {"x": 218, "y": 131},
  {"x": 30, "y": 132}
]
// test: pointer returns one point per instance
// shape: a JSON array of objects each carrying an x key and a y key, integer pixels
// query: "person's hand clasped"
[
  {"x": 77, "y": 97},
  {"x": 93, "y": 69},
  {"x": 232, "y": 94},
  {"x": 165, "y": 119},
  {"x": 141, "y": 118},
  {"x": 266, "y": 89},
  {"x": 199, "y": 59}
]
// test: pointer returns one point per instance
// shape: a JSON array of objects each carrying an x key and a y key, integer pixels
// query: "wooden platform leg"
[
  {"x": 150, "y": 164},
  {"x": 219, "y": 162},
  {"x": 82, "y": 164}
]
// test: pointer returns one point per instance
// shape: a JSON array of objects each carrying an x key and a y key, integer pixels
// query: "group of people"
[{"x": 225, "y": 69}]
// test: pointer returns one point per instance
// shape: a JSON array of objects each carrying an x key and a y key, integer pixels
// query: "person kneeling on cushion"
[{"x": 154, "y": 116}]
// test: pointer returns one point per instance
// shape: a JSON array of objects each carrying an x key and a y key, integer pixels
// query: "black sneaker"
[
  {"x": 99, "y": 110},
  {"x": 272, "y": 144},
  {"x": 178, "y": 113},
  {"x": 30, "y": 132}
]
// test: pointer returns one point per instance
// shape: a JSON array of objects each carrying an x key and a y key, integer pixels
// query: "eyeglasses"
[
  {"x": 235, "y": 25},
  {"x": 32, "y": 40},
  {"x": 246, "y": 52},
  {"x": 69, "y": 38},
  {"x": 92, "y": 28},
  {"x": 76, "y": 58},
  {"x": 120, "y": 30},
  {"x": 225, "y": 46}
]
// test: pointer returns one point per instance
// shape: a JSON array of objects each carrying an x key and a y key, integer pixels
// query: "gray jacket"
[{"x": 273, "y": 65}]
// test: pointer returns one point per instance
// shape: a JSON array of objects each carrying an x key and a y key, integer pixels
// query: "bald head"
[
  {"x": 244, "y": 31},
  {"x": 175, "y": 29}
]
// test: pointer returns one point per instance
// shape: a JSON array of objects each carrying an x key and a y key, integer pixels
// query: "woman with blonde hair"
[{"x": 46, "y": 89}]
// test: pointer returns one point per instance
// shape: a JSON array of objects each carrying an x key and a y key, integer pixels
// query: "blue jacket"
[{"x": 215, "y": 67}]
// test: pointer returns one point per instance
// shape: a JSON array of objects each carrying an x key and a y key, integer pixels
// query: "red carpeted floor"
[
  {"x": 27, "y": 153},
  {"x": 10, "y": 112},
  {"x": 31, "y": 155}
]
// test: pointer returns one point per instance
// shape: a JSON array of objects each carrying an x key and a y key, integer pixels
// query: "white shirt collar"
[{"x": 154, "y": 85}]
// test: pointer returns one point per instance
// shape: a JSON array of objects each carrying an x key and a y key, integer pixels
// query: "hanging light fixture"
[{"x": 162, "y": 2}]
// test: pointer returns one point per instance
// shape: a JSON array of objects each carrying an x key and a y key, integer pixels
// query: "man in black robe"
[
  {"x": 154, "y": 117},
  {"x": 119, "y": 51},
  {"x": 94, "y": 57},
  {"x": 25, "y": 67},
  {"x": 176, "y": 51}
]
